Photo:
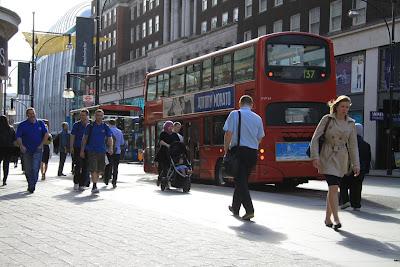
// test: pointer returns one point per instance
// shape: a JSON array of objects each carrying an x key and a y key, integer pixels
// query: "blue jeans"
[{"x": 32, "y": 166}]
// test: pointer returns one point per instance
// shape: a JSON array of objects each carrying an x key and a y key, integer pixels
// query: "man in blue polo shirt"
[
  {"x": 31, "y": 135},
  {"x": 94, "y": 141},
  {"x": 81, "y": 169}
]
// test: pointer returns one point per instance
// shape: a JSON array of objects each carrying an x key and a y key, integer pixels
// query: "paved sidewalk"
[{"x": 56, "y": 226}]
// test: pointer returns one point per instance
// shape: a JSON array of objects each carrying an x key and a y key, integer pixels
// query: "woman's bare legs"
[{"x": 333, "y": 202}]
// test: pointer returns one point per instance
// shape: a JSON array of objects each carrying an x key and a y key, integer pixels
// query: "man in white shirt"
[{"x": 177, "y": 129}]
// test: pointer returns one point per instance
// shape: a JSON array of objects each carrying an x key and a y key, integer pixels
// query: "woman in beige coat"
[{"x": 339, "y": 153}]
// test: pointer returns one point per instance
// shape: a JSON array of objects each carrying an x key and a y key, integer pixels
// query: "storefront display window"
[{"x": 350, "y": 73}]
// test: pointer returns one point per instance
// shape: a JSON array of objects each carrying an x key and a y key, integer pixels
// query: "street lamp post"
[
  {"x": 97, "y": 68},
  {"x": 33, "y": 59},
  {"x": 353, "y": 13}
]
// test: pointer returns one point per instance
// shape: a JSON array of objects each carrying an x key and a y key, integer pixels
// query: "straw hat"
[{"x": 334, "y": 103}]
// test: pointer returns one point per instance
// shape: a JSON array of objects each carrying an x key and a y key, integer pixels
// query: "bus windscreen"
[{"x": 296, "y": 62}]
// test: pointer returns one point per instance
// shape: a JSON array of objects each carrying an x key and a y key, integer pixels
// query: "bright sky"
[{"x": 47, "y": 13}]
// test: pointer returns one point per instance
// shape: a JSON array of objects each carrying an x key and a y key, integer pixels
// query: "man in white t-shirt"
[{"x": 177, "y": 129}]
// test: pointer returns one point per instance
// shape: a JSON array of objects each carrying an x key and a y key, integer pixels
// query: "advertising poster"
[
  {"x": 84, "y": 42},
  {"x": 343, "y": 75},
  {"x": 23, "y": 78},
  {"x": 177, "y": 106},
  {"x": 357, "y": 74},
  {"x": 291, "y": 151},
  {"x": 219, "y": 99}
]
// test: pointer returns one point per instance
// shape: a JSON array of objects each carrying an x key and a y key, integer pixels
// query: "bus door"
[{"x": 193, "y": 142}]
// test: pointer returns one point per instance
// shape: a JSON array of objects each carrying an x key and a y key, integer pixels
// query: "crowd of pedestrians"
[
  {"x": 90, "y": 144},
  {"x": 337, "y": 151}
]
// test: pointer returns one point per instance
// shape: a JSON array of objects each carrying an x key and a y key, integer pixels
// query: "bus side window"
[
  {"x": 151, "y": 88},
  {"x": 193, "y": 77},
  {"x": 222, "y": 70},
  {"x": 206, "y": 74},
  {"x": 218, "y": 131},
  {"x": 243, "y": 64},
  {"x": 163, "y": 85},
  {"x": 177, "y": 86}
]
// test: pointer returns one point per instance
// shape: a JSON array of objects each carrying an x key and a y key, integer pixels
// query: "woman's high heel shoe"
[
  {"x": 330, "y": 225},
  {"x": 337, "y": 226}
]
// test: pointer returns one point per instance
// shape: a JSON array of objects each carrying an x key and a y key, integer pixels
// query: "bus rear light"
[
  {"x": 262, "y": 150},
  {"x": 323, "y": 75},
  {"x": 270, "y": 74},
  {"x": 220, "y": 150},
  {"x": 262, "y": 157}
]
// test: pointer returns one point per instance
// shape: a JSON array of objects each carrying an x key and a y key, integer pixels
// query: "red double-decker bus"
[{"x": 290, "y": 76}]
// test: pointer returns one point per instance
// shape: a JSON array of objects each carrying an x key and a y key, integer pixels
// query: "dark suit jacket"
[{"x": 364, "y": 150}]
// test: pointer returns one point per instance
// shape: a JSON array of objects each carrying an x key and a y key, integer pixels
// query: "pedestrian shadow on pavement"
[
  {"x": 369, "y": 246},
  {"x": 77, "y": 198},
  {"x": 375, "y": 217},
  {"x": 17, "y": 195},
  {"x": 256, "y": 232}
]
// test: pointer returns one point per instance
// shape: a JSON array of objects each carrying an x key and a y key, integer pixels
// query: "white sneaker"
[
  {"x": 76, "y": 187},
  {"x": 95, "y": 191},
  {"x": 345, "y": 205}
]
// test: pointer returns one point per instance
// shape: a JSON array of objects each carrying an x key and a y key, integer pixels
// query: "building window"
[
  {"x": 214, "y": 2},
  {"x": 203, "y": 5},
  {"x": 247, "y": 36},
  {"x": 138, "y": 9},
  {"x": 295, "y": 23},
  {"x": 262, "y": 5},
  {"x": 144, "y": 29},
  {"x": 335, "y": 16},
  {"x": 157, "y": 2},
  {"x": 150, "y": 46},
  {"x": 235, "y": 14},
  {"x": 137, "y": 32},
  {"x": 109, "y": 18},
  {"x": 151, "y": 4},
  {"x": 113, "y": 60},
  {"x": 150, "y": 26},
  {"x": 131, "y": 55},
  {"x": 104, "y": 20},
  {"x": 214, "y": 21},
  {"x": 262, "y": 30},
  {"x": 248, "y": 8},
  {"x": 155, "y": 44},
  {"x": 224, "y": 18},
  {"x": 278, "y": 2},
  {"x": 277, "y": 26},
  {"x": 108, "y": 62},
  {"x": 114, "y": 37},
  {"x": 137, "y": 52},
  {"x": 204, "y": 27},
  {"x": 143, "y": 51},
  {"x": 314, "y": 20},
  {"x": 115, "y": 15},
  {"x": 132, "y": 35},
  {"x": 157, "y": 24},
  {"x": 133, "y": 12},
  {"x": 104, "y": 63},
  {"x": 109, "y": 40},
  {"x": 361, "y": 7},
  {"x": 144, "y": 6}
]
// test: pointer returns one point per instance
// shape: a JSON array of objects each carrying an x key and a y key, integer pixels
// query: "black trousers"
[
  {"x": 112, "y": 168},
  {"x": 81, "y": 168},
  {"x": 241, "y": 196},
  {"x": 354, "y": 185},
  {"x": 5, "y": 158},
  {"x": 63, "y": 157}
]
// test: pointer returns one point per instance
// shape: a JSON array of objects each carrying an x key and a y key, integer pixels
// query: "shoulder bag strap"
[
  {"x": 240, "y": 122},
  {"x": 326, "y": 125}
]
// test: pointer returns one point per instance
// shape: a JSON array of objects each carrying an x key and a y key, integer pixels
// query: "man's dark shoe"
[
  {"x": 106, "y": 181},
  {"x": 233, "y": 212},
  {"x": 114, "y": 185},
  {"x": 248, "y": 216},
  {"x": 61, "y": 174}
]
